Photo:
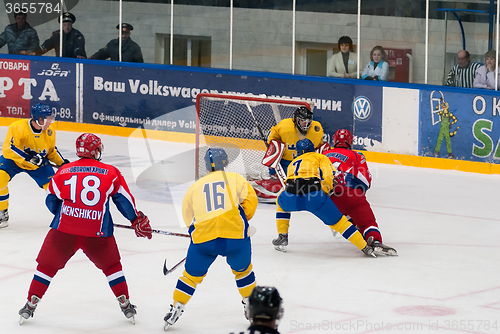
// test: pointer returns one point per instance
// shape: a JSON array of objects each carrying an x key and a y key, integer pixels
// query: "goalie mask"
[
  {"x": 264, "y": 303},
  {"x": 88, "y": 145},
  {"x": 216, "y": 159},
  {"x": 342, "y": 139},
  {"x": 304, "y": 146},
  {"x": 302, "y": 118},
  {"x": 43, "y": 111}
]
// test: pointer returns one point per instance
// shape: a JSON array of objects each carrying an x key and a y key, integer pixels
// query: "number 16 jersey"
[{"x": 78, "y": 196}]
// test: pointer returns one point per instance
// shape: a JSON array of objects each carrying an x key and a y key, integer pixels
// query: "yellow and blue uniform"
[
  {"x": 217, "y": 208},
  {"x": 286, "y": 132},
  {"x": 309, "y": 181},
  {"x": 22, "y": 138}
]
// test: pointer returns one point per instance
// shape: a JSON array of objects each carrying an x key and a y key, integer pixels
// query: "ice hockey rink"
[{"x": 444, "y": 224}]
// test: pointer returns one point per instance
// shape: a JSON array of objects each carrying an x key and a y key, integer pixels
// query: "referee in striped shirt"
[{"x": 463, "y": 74}]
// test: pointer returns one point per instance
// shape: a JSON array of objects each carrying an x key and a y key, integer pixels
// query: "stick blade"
[{"x": 165, "y": 270}]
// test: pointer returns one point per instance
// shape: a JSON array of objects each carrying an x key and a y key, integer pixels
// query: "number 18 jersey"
[{"x": 78, "y": 196}]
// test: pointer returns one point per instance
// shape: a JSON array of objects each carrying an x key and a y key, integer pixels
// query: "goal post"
[{"x": 239, "y": 124}]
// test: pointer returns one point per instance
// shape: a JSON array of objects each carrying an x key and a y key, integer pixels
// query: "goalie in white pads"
[{"x": 281, "y": 139}]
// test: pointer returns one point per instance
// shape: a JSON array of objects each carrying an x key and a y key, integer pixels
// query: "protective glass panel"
[
  {"x": 392, "y": 46},
  {"x": 463, "y": 26},
  {"x": 320, "y": 26},
  {"x": 262, "y": 36}
]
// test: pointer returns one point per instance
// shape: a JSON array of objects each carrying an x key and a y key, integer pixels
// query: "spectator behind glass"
[
  {"x": 343, "y": 64},
  {"x": 73, "y": 40},
  {"x": 378, "y": 68},
  {"x": 20, "y": 37},
  {"x": 131, "y": 51},
  {"x": 463, "y": 73},
  {"x": 485, "y": 75}
]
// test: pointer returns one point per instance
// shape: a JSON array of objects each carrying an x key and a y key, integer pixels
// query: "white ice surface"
[{"x": 444, "y": 224}]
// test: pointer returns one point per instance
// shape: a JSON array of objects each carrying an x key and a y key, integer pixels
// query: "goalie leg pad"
[
  {"x": 273, "y": 154},
  {"x": 266, "y": 190}
]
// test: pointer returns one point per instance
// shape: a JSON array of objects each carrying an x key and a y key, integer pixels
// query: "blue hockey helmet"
[
  {"x": 264, "y": 303},
  {"x": 304, "y": 146},
  {"x": 216, "y": 159},
  {"x": 41, "y": 110}
]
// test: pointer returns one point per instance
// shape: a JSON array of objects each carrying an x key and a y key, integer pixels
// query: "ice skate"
[
  {"x": 368, "y": 250},
  {"x": 381, "y": 249},
  {"x": 4, "y": 218},
  {"x": 281, "y": 242},
  {"x": 245, "y": 306},
  {"x": 29, "y": 309},
  {"x": 127, "y": 308},
  {"x": 173, "y": 315}
]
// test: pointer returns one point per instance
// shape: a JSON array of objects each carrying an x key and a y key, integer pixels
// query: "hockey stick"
[
  {"x": 168, "y": 271},
  {"x": 251, "y": 231},
  {"x": 156, "y": 231},
  {"x": 279, "y": 169}
]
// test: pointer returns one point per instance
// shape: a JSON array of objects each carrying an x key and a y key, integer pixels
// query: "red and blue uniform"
[
  {"x": 78, "y": 196},
  {"x": 353, "y": 180}
]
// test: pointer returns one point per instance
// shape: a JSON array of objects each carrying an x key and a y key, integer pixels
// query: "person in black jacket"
[
  {"x": 131, "y": 51},
  {"x": 73, "y": 40},
  {"x": 264, "y": 310}
]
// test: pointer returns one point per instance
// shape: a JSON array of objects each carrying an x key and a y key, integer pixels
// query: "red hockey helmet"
[
  {"x": 342, "y": 139},
  {"x": 88, "y": 145}
]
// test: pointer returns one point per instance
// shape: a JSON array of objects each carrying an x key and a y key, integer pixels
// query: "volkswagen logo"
[{"x": 362, "y": 108}]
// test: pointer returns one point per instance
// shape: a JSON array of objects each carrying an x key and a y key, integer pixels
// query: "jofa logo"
[
  {"x": 362, "y": 108},
  {"x": 54, "y": 71}
]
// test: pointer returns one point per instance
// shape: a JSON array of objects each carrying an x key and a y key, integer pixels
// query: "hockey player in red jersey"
[
  {"x": 78, "y": 196},
  {"x": 353, "y": 180}
]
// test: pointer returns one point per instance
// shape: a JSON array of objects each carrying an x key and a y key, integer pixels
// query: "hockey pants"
[
  {"x": 58, "y": 247},
  {"x": 352, "y": 202},
  {"x": 320, "y": 205},
  {"x": 238, "y": 253},
  {"x": 9, "y": 169}
]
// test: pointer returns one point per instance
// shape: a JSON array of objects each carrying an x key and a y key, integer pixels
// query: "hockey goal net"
[{"x": 239, "y": 124}]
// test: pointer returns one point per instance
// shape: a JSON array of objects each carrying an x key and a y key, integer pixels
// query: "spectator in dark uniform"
[
  {"x": 20, "y": 37},
  {"x": 73, "y": 40},
  {"x": 131, "y": 51}
]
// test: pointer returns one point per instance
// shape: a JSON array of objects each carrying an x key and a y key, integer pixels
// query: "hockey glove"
[
  {"x": 322, "y": 148},
  {"x": 66, "y": 161},
  {"x": 141, "y": 226},
  {"x": 36, "y": 159}
]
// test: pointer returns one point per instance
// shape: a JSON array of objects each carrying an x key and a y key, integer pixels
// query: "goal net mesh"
[{"x": 226, "y": 121}]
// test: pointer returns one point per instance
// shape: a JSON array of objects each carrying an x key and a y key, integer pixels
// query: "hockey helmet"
[
  {"x": 302, "y": 118},
  {"x": 342, "y": 139},
  {"x": 304, "y": 146},
  {"x": 88, "y": 145},
  {"x": 264, "y": 303},
  {"x": 43, "y": 111},
  {"x": 216, "y": 159}
]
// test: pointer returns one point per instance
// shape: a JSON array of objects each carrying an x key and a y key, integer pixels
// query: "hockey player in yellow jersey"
[
  {"x": 291, "y": 130},
  {"x": 308, "y": 184},
  {"x": 286, "y": 134},
  {"x": 28, "y": 146},
  {"x": 216, "y": 209}
]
